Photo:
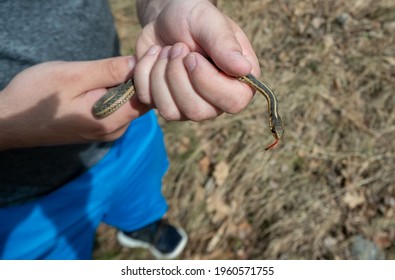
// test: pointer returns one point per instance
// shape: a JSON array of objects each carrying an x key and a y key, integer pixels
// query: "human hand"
[
  {"x": 51, "y": 103},
  {"x": 180, "y": 81}
]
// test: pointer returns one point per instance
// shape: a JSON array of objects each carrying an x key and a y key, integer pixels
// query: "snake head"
[{"x": 276, "y": 126}]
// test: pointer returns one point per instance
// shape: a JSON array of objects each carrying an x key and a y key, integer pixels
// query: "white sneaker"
[{"x": 162, "y": 239}]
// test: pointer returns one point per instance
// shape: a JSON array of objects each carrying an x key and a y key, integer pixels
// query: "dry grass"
[{"x": 332, "y": 64}]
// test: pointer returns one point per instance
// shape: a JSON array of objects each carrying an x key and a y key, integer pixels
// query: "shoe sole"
[{"x": 127, "y": 241}]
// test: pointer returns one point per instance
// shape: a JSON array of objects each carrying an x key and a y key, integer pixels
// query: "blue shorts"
[{"x": 122, "y": 190}]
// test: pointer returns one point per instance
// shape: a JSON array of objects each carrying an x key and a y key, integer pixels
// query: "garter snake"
[
  {"x": 275, "y": 122},
  {"x": 116, "y": 97}
]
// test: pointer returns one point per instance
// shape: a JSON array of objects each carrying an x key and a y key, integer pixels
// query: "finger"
[
  {"x": 126, "y": 113},
  {"x": 162, "y": 98},
  {"x": 190, "y": 103},
  {"x": 116, "y": 69},
  {"x": 247, "y": 50},
  {"x": 221, "y": 90},
  {"x": 218, "y": 36},
  {"x": 104, "y": 73},
  {"x": 147, "y": 38},
  {"x": 141, "y": 75}
]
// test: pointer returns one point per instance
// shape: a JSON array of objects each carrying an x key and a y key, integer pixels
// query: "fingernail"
[
  {"x": 190, "y": 62},
  {"x": 132, "y": 62},
  {"x": 153, "y": 50},
  {"x": 176, "y": 51}
]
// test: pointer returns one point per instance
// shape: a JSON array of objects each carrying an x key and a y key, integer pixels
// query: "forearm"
[{"x": 16, "y": 122}]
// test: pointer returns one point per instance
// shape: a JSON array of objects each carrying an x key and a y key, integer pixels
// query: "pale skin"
[{"x": 50, "y": 103}]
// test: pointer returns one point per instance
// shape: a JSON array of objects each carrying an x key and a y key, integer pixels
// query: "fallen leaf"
[
  {"x": 244, "y": 230},
  {"x": 217, "y": 207},
  {"x": 221, "y": 172},
  {"x": 383, "y": 240},
  {"x": 216, "y": 239},
  {"x": 390, "y": 60},
  {"x": 204, "y": 165},
  {"x": 184, "y": 144},
  {"x": 353, "y": 199},
  {"x": 317, "y": 22}
]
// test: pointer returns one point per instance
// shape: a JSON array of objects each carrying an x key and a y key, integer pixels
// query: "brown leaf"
[
  {"x": 383, "y": 240},
  {"x": 216, "y": 239},
  {"x": 221, "y": 172},
  {"x": 184, "y": 144},
  {"x": 204, "y": 165},
  {"x": 353, "y": 199},
  {"x": 390, "y": 60},
  {"x": 217, "y": 207}
]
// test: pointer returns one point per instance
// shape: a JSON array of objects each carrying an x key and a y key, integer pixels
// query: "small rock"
[
  {"x": 363, "y": 249},
  {"x": 317, "y": 22},
  {"x": 330, "y": 243},
  {"x": 342, "y": 19},
  {"x": 389, "y": 27}
]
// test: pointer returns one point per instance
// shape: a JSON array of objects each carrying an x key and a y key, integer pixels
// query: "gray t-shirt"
[{"x": 32, "y": 32}]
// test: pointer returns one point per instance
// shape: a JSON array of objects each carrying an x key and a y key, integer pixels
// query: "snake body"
[
  {"x": 113, "y": 99},
  {"x": 117, "y": 96}
]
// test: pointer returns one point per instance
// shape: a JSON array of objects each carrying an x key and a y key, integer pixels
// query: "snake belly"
[{"x": 113, "y": 99}]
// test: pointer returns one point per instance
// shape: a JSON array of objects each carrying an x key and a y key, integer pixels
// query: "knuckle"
[
  {"x": 113, "y": 69},
  {"x": 140, "y": 68},
  {"x": 236, "y": 105},
  {"x": 63, "y": 72},
  {"x": 169, "y": 114},
  {"x": 74, "y": 78},
  {"x": 196, "y": 113},
  {"x": 144, "y": 97}
]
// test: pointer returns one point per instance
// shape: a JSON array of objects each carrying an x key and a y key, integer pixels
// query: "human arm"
[{"x": 50, "y": 103}]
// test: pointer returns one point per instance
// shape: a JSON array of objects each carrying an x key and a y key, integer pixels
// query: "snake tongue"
[{"x": 271, "y": 145}]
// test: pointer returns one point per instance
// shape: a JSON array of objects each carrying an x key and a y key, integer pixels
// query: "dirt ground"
[{"x": 328, "y": 190}]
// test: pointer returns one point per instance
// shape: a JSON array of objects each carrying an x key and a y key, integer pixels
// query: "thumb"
[
  {"x": 220, "y": 38},
  {"x": 107, "y": 73},
  {"x": 103, "y": 73}
]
